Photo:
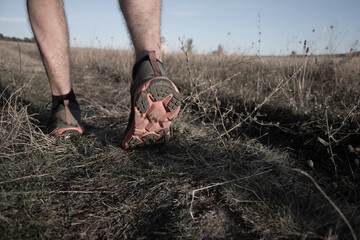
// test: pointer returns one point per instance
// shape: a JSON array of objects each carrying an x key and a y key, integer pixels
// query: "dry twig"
[
  {"x": 329, "y": 200},
  {"x": 219, "y": 184},
  {"x": 278, "y": 87}
]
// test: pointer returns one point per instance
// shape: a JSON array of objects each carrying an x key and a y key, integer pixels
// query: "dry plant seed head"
[
  {"x": 357, "y": 162},
  {"x": 304, "y": 47},
  {"x": 310, "y": 163},
  {"x": 259, "y": 33}
]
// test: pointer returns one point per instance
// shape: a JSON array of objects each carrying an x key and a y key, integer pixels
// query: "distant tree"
[
  {"x": 220, "y": 50},
  {"x": 163, "y": 45},
  {"x": 15, "y": 39},
  {"x": 189, "y": 45},
  {"x": 29, "y": 39}
]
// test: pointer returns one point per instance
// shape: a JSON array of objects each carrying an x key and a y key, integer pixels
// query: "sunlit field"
[{"x": 263, "y": 148}]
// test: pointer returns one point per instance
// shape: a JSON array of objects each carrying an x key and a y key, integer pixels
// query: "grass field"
[{"x": 263, "y": 148}]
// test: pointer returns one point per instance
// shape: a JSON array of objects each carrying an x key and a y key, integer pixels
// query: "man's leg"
[
  {"x": 47, "y": 18},
  {"x": 155, "y": 100},
  {"x": 48, "y": 21},
  {"x": 143, "y": 21}
]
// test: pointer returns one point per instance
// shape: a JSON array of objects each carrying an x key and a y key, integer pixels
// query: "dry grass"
[{"x": 246, "y": 123}]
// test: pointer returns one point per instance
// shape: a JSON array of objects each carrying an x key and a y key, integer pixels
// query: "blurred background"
[{"x": 263, "y": 27}]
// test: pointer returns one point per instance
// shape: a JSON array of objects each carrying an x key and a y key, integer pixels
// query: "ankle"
[
  {"x": 59, "y": 85},
  {"x": 59, "y": 99},
  {"x": 144, "y": 53},
  {"x": 149, "y": 59}
]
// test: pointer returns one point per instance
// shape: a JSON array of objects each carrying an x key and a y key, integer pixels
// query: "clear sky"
[{"x": 232, "y": 23}]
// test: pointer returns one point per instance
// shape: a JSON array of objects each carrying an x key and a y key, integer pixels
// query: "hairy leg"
[
  {"x": 48, "y": 21},
  {"x": 143, "y": 21}
]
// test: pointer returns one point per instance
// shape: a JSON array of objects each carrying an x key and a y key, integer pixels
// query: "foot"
[
  {"x": 155, "y": 102},
  {"x": 65, "y": 115}
]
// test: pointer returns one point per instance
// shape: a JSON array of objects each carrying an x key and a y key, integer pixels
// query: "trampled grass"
[{"x": 246, "y": 127}]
